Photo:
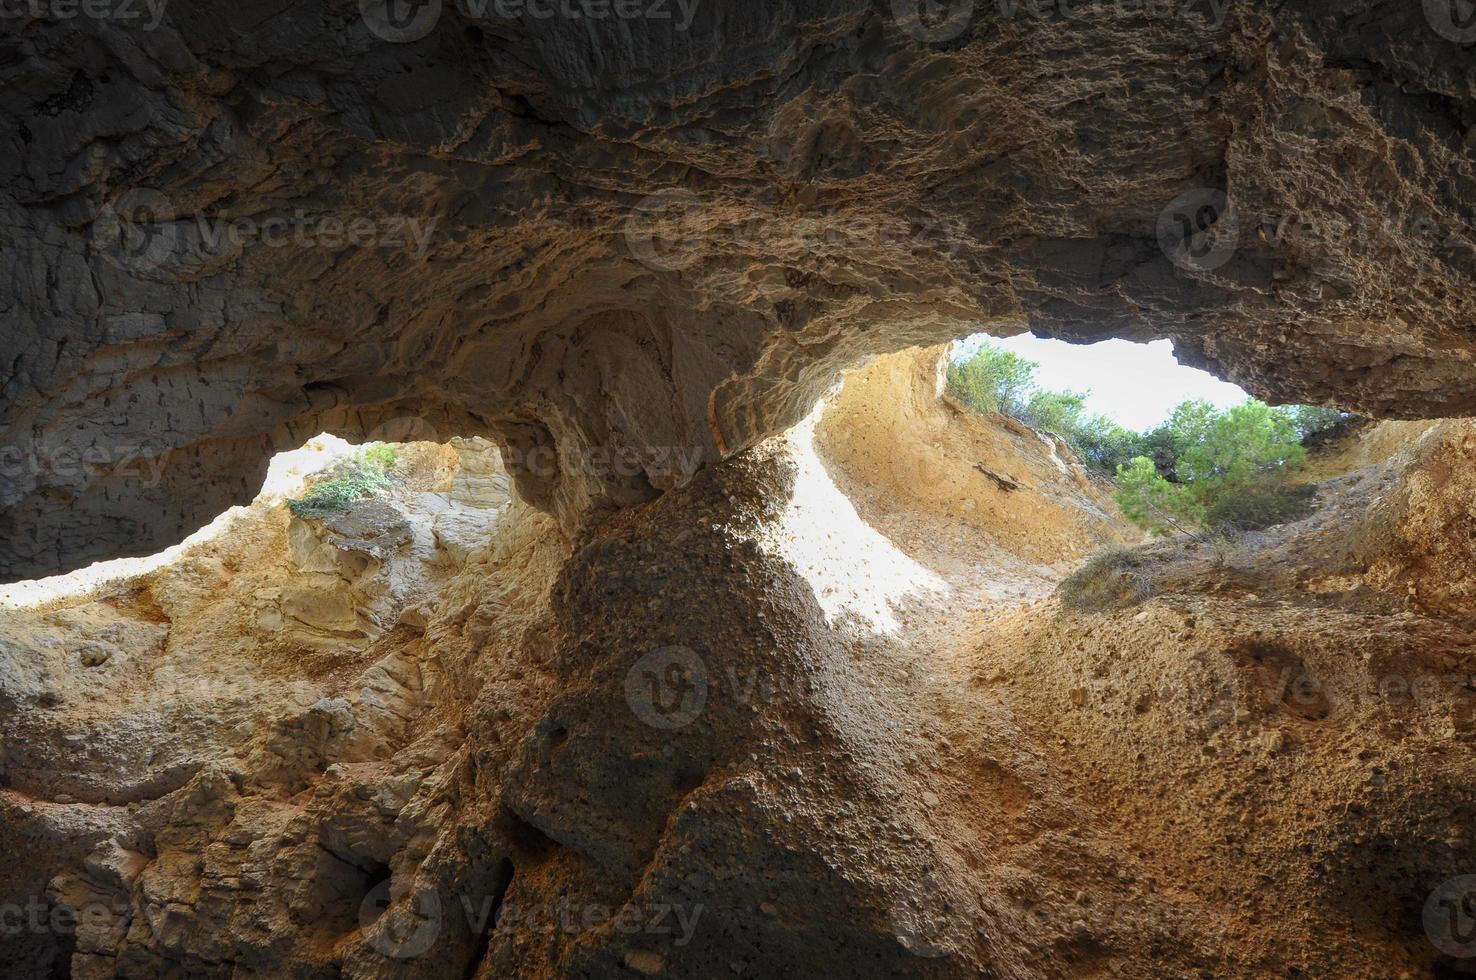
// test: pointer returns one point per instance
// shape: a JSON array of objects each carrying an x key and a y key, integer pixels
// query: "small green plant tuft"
[
  {"x": 1114, "y": 578},
  {"x": 1225, "y": 547},
  {"x": 365, "y": 474},
  {"x": 384, "y": 455}
]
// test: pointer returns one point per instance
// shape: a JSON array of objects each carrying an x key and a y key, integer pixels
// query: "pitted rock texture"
[
  {"x": 627, "y": 248},
  {"x": 166, "y": 734},
  {"x": 685, "y": 744},
  {"x": 440, "y": 794}
]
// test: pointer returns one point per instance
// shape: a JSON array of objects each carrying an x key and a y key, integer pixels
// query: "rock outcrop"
[
  {"x": 628, "y": 243},
  {"x": 806, "y": 715}
]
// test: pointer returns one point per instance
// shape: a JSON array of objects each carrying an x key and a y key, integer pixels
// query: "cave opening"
[
  {"x": 625, "y": 638},
  {"x": 954, "y": 572}
]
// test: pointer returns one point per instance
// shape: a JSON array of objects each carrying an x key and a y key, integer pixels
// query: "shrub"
[
  {"x": 383, "y": 455},
  {"x": 1251, "y": 508},
  {"x": 1114, "y": 578},
  {"x": 1153, "y": 503},
  {"x": 365, "y": 474},
  {"x": 1224, "y": 547}
]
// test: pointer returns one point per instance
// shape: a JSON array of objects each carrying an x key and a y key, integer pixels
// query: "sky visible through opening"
[{"x": 1135, "y": 385}]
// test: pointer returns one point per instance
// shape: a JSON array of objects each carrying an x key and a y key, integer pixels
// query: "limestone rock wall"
[
  {"x": 655, "y": 241},
  {"x": 743, "y": 729}
]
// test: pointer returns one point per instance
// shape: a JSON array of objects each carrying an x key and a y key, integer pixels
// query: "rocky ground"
[{"x": 820, "y": 712}]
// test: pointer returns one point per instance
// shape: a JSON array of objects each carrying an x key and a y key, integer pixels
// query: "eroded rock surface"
[
  {"x": 725, "y": 733},
  {"x": 624, "y": 248}
]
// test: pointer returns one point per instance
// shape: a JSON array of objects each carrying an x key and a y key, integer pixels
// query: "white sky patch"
[{"x": 1135, "y": 385}]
